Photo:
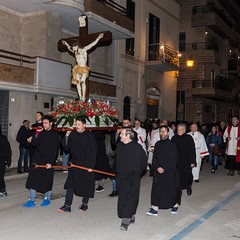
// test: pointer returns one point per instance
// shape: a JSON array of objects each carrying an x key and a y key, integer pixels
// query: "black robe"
[
  {"x": 186, "y": 157},
  {"x": 83, "y": 152},
  {"x": 131, "y": 161},
  {"x": 165, "y": 187},
  {"x": 47, "y": 145},
  {"x": 102, "y": 163},
  {"x": 5, "y": 158},
  {"x": 115, "y": 141}
]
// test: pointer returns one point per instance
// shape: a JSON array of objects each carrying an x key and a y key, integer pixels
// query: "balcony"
[
  {"x": 107, "y": 15},
  {"x": 220, "y": 88},
  {"x": 45, "y": 76},
  {"x": 162, "y": 58},
  {"x": 16, "y": 71},
  {"x": 204, "y": 52},
  {"x": 204, "y": 17}
]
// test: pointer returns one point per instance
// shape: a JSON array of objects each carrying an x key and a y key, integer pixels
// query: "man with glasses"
[{"x": 186, "y": 157}]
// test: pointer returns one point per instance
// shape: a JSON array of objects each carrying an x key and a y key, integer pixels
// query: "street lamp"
[{"x": 190, "y": 63}]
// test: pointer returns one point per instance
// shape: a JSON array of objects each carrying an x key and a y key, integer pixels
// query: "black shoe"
[
  {"x": 197, "y": 181},
  {"x": 64, "y": 208},
  {"x": 83, "y": 207},
  {"x": 19, "y": 171},
  {"x": 99, "y": 189},
  {"x": 152, "y": 212},
  {"x": 132, "y": 221},
  {"x": 113, "y": 194},
  {"x": 124, "y": 227},
  {"x": 189, "y": 190},
  {"x": 26, "y": 170},
  {"x": 3, "y": 194},
  {"x": 174, "y": 210}
]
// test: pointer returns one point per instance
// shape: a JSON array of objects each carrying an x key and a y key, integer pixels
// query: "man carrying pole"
[
  {"x": 41, "y": 180},
  {"x": 83, "y": 151}
]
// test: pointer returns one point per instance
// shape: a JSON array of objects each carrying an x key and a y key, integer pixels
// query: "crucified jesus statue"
[{"x": 80, "y": 71}]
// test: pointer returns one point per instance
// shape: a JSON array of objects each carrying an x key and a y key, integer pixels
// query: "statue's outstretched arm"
[
  {"x": 67, "y": 45},
  {"x": 89, "y": 46}
]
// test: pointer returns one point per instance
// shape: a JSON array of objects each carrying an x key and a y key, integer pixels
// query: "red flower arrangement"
[{"x": 66, "y": 112}]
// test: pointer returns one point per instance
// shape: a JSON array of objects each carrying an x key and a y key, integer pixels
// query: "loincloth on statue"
[{"x": 79, "y": 70}]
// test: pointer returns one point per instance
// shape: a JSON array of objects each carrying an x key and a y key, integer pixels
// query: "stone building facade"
[
  {"x": 209, "y": 34},
  {"x": 136, "y": 73}
]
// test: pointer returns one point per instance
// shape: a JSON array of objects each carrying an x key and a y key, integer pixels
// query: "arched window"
[{"x": 127, "y": 107}]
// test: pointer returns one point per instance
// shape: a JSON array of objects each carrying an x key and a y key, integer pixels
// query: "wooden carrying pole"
[
  {"x": 70, "y": 165},
  {"x": 93, "y": 170},
  {"x": 44, "y": 166}
]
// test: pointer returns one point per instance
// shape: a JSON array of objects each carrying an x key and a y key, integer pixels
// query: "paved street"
[{"x": 212, "y": 212}]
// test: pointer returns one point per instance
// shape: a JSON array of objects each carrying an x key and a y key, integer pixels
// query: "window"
[
  {"x": 131, "y": 14},
  {"x": 182, "y": 41},
  {"x": 154, "y": 36}
]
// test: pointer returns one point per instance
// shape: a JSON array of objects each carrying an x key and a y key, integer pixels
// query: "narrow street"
[{"x": 212, "y": 212}]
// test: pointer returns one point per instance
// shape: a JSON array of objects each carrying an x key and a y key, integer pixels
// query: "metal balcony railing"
[
  {"x": 102, "y": 76},
  {"x": 22, "y": 60},
  {"x": 211, "y": 8},
  {"x": 162, "y": 52},
  {"x": 221, "y": 83},
  {"x": 17, "y": 58},
  {"x": 198, "y": 46},
  {"x": 112, "y": 4}
]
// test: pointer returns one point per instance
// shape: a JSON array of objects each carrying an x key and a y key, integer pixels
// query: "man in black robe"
[
  {"x": 5, "y": 159},
  {"x": 165, "y": 186},
  {"x": 82, "y": 147},
  {"x": 41, "y": 179},
  {"x": 127, "y": 124},
  {"x": 186, "y": 157},
  {"x": 131, "y": 161}
]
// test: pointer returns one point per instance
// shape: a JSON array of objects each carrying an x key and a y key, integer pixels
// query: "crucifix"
[{"x": 79, "y": 47}]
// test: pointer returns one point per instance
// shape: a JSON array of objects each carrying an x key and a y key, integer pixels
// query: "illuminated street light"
[{"x": 190, "y": 62}]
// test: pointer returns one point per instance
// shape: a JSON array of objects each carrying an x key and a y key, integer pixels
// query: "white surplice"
[{"x": 201, "y": 151}]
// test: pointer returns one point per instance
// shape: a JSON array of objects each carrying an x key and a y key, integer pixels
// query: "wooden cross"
[{"x": 84, "y": 39}]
